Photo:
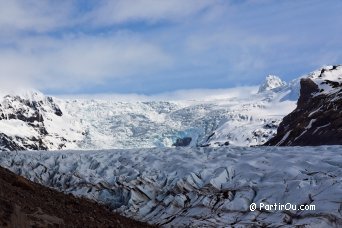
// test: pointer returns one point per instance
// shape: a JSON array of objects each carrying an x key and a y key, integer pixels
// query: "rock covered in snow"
[{"x": 32, "y": 121}]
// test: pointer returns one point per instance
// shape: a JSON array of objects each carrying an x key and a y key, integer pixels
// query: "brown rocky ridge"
[{"x": 27, "y": 204}]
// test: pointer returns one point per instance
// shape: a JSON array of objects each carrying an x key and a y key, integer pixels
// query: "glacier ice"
[{"x": 197, "y": 186}]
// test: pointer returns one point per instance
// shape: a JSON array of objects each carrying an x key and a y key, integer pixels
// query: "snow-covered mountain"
[
  {"x": 198, "y": 187},
  {"x": 272, "y": 82},
  {"x": 32, "y": 121}
]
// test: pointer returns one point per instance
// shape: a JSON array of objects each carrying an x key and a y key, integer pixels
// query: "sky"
[{"x": 159, "y": 46}]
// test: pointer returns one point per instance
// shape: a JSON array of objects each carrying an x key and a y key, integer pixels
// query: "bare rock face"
[
  {"x": 317, "y": 120},
  {"x": 307, "y": 88}
]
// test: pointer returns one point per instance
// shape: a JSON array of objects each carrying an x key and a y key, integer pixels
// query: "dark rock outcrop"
[
  {"x": 16, "y": 143},
  {"x": 307, "y": 88},
  {"x": 8, "y": 143},
  {"x": 317, "y": 120},
  {"x": 183, "y": 141}
]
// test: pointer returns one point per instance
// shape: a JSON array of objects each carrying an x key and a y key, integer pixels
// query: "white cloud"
[
  {"x": 49, "y": 15},
  {"x": 65, "y": 45},
  {"x": 44, "y": 61},
  {"x": 119, "y": 11},
  {"x": 32, "y": 15},
  {"x": 78, "y": 61}
]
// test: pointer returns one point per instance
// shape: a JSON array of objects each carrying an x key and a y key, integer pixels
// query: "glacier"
[
  {"x": 235, "y": 121},
  {"x": 197, "y": 187},
  {"x": 239, "y": 117}
]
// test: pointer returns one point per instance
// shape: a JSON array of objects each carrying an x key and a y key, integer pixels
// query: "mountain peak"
[
  {"x": 27, "y": 93},
  {"x": 271, "y": 82}
]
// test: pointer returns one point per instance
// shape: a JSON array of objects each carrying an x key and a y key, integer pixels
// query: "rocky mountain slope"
[
  {"x": 27, "y": 204},
  {"x": 198, "y": 187},
  {"x": 317, "y": 120}
]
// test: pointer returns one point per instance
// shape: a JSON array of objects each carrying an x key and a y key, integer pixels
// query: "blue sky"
[{"x": 156, "y": 46}]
